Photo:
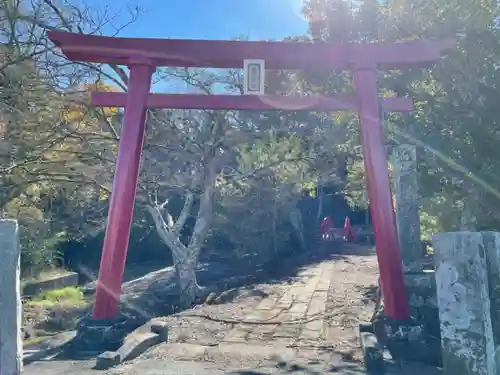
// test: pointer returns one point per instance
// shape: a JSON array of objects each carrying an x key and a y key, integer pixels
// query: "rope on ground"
[
  {"x": 267, "y": 321},
  {"x": 271, "y": 321}
]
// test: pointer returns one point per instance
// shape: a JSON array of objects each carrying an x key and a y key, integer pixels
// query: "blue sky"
[
  {"x": 206, "y": 19},
  {"x": 211, "y": 19}
]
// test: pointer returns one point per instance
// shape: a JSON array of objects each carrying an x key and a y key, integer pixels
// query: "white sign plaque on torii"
[{"x": 254, "y": 76}]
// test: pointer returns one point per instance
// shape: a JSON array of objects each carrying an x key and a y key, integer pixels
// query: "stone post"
[
  {"x": 11, "y": 346},
  {"x": 464, "y": 306},
  {"x": 405, "y": 188},
  {"x": 491, "y": 241}
]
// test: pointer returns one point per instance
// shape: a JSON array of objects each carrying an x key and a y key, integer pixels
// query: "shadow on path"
[{"x": 157, "y": 295}]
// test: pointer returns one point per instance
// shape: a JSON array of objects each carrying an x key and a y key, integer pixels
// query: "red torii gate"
[{"x": 142, "y": 56}]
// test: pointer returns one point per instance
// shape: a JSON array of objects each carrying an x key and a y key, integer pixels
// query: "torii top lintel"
[{"x": 230, "y": 53}]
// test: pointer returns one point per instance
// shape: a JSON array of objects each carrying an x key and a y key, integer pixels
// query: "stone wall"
[
  {"x": 468, "y": 295},
  {"x": 57, "y": 282},
  {"x": 457, "y": 306}
]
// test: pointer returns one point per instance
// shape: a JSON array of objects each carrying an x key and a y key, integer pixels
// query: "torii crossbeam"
[{"x": 143, "y": 56}]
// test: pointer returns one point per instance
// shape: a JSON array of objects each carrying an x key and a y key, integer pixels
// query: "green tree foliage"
[
  {"x": 55, "y": 150},
  {"x": 454, "y": 120},
  {"x": 256, "y": 201},
  {"x": 51, "y": 160}
]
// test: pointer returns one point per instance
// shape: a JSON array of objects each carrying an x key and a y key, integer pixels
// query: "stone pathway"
[
  {"x": 296, "y": 316},
  {"x": 310, "y": 321}
]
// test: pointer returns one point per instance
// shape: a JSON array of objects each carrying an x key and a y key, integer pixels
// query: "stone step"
[{"x": 193, "y": 352}]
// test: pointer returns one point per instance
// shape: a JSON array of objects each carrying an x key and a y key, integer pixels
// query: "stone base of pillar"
[
  {"x": 97, "y": 336},
  {"x": 406, "y": 340},
  {"x": 409, "y": 340},
  {"x": 421, "y": 292}
]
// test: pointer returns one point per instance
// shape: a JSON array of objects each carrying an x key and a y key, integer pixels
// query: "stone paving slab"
[
  {"x": 298, "y": 310},
  {"x": 317, "y": 303},
  {"x": 259, "y": 351},
  {"x": 265, "y": 316},
  {"x": 268, "y": 303},
  {"x": 303, "y": 300},
  {"x": 238, "y": 334},
  {"x": 324, "y": 304},
  {"x": 287, "y": 331}
]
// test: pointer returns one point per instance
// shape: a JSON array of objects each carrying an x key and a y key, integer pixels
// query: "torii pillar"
[
  {"x": 380, "y": 193},
  {"x": 121, "y": 205}
]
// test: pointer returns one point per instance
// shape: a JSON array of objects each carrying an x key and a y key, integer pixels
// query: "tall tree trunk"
[
  {"x": 185, "y": 267},
  {"x": 186, "y": 257},
  {"x": 185, "y": 263}
]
